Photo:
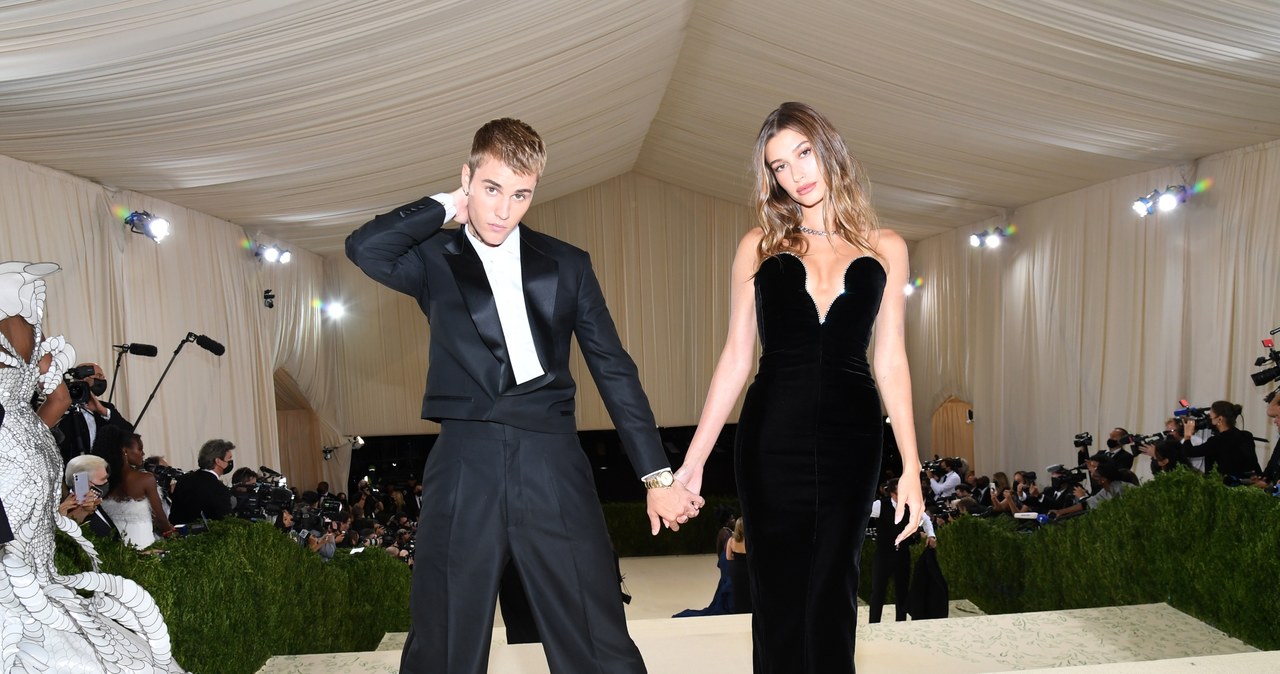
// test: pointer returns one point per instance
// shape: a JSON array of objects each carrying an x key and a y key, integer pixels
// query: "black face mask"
[
  {"x": 230, "y": 466},
  {"x": 100, "y": 490},
  {"x": 1112, "y": 444},
  {"x": 99, "y": 387}
]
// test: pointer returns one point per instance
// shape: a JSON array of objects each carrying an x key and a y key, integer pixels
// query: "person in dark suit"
[
  {"x": 79, "y": 425},
  {"x": 507, "y": 478},
  {"x": 202, "y": 491},
  {"x": 894, "y": 561}
]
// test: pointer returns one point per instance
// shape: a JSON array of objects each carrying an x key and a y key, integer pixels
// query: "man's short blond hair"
[{"x": 511, "y": 142}]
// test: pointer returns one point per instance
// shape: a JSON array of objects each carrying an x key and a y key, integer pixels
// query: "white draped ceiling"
[{"x": 296, "y": 119}]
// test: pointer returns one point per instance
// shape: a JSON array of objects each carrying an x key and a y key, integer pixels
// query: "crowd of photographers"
[
  {"x": 105, "y": 467},
  {"x": 1205, "y": 440}
]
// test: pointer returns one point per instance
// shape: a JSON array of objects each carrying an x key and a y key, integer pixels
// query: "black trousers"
[
  {"x": 896, "y": 565},
  {"x": 492, "y": 493}
]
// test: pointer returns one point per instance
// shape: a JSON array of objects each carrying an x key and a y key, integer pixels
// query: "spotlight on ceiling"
[
  {"x": 272, "y": 253},
  {"x": 1173, "y": 195},
  {"x": 1165, "y": 200},
  {"x": 990, "y": 238},
  {"x": 148, "y": 225},
  {"x": 909, "y": 290},
  {"x": 993, "y": 239},
  {"x": 335, "y": 310},
  {"x": 357, "y": 442}
]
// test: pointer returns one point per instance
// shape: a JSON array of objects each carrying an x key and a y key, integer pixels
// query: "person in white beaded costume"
[{"x": 45, "y": 625}]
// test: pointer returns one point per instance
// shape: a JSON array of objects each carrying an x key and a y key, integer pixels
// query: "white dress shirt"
[
  {"x": 945, "y": 487},
  {"x": 502, "y": 267}
]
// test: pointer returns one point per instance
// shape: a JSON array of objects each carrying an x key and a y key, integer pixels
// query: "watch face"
[{"x": 666, "y": 479}]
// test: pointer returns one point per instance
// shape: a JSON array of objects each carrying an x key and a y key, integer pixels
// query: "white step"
[{"x": 1094, "y": 640}]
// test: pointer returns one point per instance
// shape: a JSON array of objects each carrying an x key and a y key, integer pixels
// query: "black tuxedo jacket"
[
  {"x": 470, "y": 375},
  {"x": 75, "y": 430},
  {"x": 196, "y": 492}
]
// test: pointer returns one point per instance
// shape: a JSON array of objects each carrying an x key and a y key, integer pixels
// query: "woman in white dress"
[
  {"x": 132, "y": 501},
  {"x": 45, "y": 624}
]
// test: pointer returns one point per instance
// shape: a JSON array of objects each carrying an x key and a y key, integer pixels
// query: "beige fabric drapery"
[
  {"x": 1091, "y": 317},
  {"x": 118, "y": 287},
  {"x": 1087, "y": 318}
]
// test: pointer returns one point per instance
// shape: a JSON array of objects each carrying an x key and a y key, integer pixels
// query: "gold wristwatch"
[{"x": 660, "y": 480}]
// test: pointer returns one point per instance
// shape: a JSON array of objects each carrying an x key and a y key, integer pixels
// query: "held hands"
[
  {"x": 910, "y": 504},
  {"x": 673, "y": 505},
  {"x": 691, "y": 476}
]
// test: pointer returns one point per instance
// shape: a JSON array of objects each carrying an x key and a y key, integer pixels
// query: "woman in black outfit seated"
[{"x": 1230, "y": 449}]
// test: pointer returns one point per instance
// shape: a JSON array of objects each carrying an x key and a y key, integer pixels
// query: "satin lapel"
[
  {"x": 468, "y": 272},
  {"x": 541, "y": 275}
]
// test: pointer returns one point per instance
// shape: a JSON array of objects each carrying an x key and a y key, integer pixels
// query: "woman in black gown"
[{"x": 811, "y": 278}]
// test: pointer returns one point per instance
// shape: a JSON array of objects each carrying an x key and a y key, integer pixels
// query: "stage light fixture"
[
  {"x": 1172, "y": 196},
  {"x": 1144, "y": 205},
  {"x": 909, "y": 290},
  {"x": 148, "y": 225},
  {"x": 269, "y": 298},
  {"x": 993, "y": 239},
  {"x": 1165, "y": 200},
  {"x": 335, "y": 310},
  {"x": 271, "y": 253},
  {"x": 975, "y": 240}
]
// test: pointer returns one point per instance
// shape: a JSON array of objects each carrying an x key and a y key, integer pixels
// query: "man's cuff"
[
  {"x": 654, "y": 474},
  {"x": 445, "y": 199}
]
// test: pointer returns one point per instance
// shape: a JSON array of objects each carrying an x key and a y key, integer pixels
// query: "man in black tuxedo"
[
  {"x": 507, "y": 478},
  {"x": 79, "y": 425},
  {"x": 202, "y": 491}
]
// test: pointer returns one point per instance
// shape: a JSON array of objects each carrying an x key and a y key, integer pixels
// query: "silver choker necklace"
[{"x": 814, "y": 232}]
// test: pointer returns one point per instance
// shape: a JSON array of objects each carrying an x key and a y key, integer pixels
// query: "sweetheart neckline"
[{"x": 844, "y": 283}]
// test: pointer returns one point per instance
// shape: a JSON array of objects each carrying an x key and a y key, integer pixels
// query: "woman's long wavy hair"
[{"x": 847, "y": 207}]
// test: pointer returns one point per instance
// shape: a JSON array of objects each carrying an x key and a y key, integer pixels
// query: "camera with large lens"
[
  {"x": 267, "y": 497},
  {"x": 77, "y": 387},
  {"x": 1065, "y": 477},
  {"x": 1200, "y": 415},
  {"x": 1268, "y": 374},
  {"x": 932, "y": 468},
  {"x": 1083, "y": 440}
]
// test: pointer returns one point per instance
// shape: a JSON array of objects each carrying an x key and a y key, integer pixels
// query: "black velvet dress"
[{"x": 807, "y": 461}]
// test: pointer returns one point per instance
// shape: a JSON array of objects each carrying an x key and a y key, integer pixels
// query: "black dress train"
[{"x": 807, "y": 461}]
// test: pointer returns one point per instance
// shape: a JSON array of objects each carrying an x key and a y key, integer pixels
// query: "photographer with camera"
[
  {"x": 1166, "y": 454},
  {"x": 202, "y": 491},
  {"x": 1117, "y": 440},
  {"x": 1230, "y": 450},
  {"x": 79, "y": 425},
  {"x": 1062, "y": 488},
  {"x": 943, "y": 478},
  {"x": 1109, "y": 478}
]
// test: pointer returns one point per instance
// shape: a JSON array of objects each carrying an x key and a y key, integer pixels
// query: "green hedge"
[
  {"x": 242, "y": 592},
  {"x": 1208, "y": 550}
]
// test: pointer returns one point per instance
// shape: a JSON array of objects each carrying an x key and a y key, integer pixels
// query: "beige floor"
[{"x": 1089, "y": 641}]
